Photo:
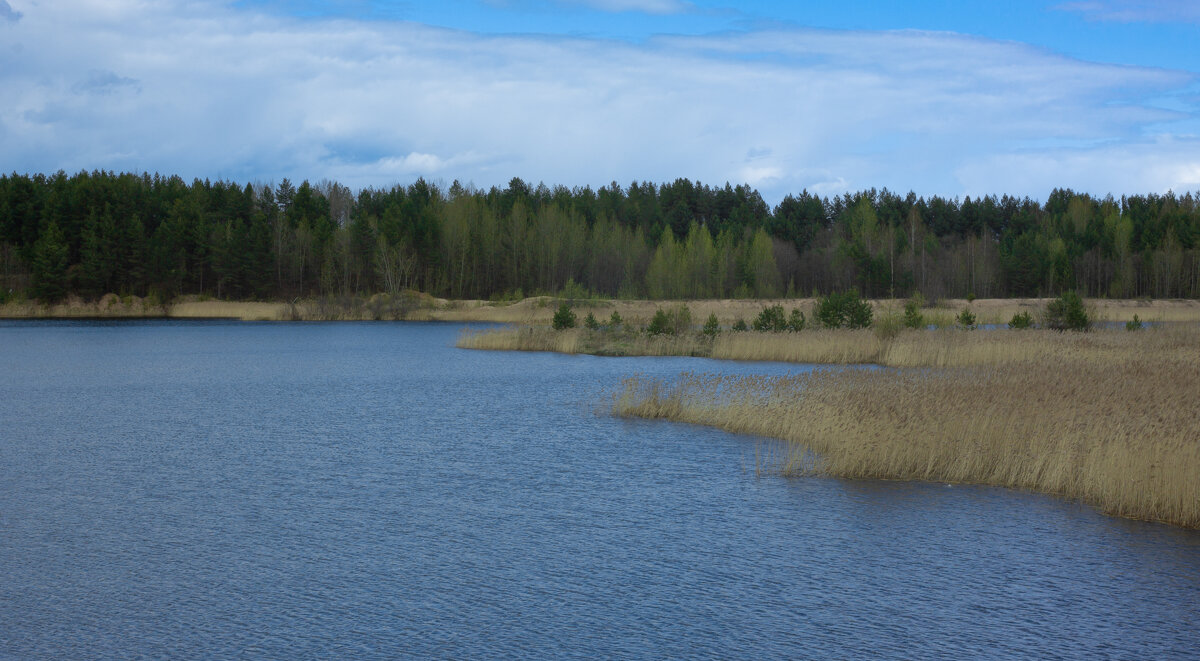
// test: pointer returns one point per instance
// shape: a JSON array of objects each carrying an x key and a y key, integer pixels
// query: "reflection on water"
[{"x": 207, "y": 489}]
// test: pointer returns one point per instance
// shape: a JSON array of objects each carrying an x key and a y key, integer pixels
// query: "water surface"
[{"x": 221, "y": 489}]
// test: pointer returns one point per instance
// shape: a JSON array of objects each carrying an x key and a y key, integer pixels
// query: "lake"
[{"x": 366, "y": 490}]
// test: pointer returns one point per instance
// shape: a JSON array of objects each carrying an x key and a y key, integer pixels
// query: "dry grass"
[
  {"x": 1111, "y": 421},
  {"x": 539, "y": 310},
  {"x": 941, "y": 348},
  {"x": 580, "y": 340}
]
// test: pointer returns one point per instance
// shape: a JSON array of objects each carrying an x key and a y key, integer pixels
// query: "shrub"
[
  {"x": 796, "y": 322},
  {"x": 912, "y": 314},
  {"x": 590, "y": 323},
  {"x": 771, "y": 319},
  {"x": 971, "y": 297},
  {"x": 740, "y": 325},
  {"x": 712, "y": 326},
  {"x": 843, "y": 309},
  {"x": 564, "y": 318},
  {"x": 1021, "y": 321},
  {"x": 661, "y": 323},
  {"x": 615, "y": 320},
  {"x": 573, "y": 291},
  {"x": 965, "y": 319},
  {"x": 1067, "y": 313},
  {"x": 681, "y": 319},
  {"x": 1134, "y": 324}
]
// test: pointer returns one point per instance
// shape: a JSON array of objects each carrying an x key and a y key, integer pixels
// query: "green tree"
[
  {"x": 49, "y": 264},
  {"x": 770, "y": 319},
  {"x": 1067, "y": 312},
  {"x": 796, "y": 322},
  {"x": 844, "y": 309},
  {"x": 965, "y": 319},
  {"x": 1021, "y": 321},
  {"x": 564, "y": 318}
]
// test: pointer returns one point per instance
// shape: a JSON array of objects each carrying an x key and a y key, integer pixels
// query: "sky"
[{"x": 945, "y": 97}]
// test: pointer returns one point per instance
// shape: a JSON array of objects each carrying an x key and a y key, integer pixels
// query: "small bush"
[
  {"x": 912, "y": 315},
  {"x": 971, "y": 297},
  {"x": 965, "y": 319},
  {"x": 771, "y": 320},
  {"x": 843, "y": 310},
  {"x": 712, "y": 326},
  {"x": 615, "y": 320},
  {"x": 740, "y": 325},
  {"x": 1067, "y": 312},
  {"x": 681, "y": 319},
  {"x": 796, "y": 322},
  {"x": 1021, "y": 321},
  {"x": 1134, "y": 324},
  {"x": 590, "y": 323},
  {"x": 573, "y": 291},
  {"x": 671, "y": 322},
  {"x": 564, "y": 318}
]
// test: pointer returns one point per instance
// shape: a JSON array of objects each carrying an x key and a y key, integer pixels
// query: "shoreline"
[{"x": 538, "y": 311}]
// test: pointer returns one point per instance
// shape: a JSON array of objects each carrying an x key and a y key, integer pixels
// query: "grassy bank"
[
  {"x": 538, "y": 310},
  {"x": 1110, "y": 420},
  {"x": 940, "y": 348}
]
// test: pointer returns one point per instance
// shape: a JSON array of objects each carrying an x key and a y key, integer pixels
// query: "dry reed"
[
  {"x": 1109, "y": 419},
  {"x": 582, "y": 340}
]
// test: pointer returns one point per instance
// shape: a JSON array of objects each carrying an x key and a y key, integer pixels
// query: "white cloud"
[
  {"x": 211, "y": 91},
  {"x": 1137, "y": 11},
  {"x": 644, "y": 6}
]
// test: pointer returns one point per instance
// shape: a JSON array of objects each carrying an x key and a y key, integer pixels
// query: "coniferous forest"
[{"x": 99, "y": 232}]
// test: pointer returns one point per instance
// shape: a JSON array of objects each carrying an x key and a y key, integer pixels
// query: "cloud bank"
[{"x": 208, "y": 90}]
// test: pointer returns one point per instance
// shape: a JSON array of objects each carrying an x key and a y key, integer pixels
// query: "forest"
[{"x": 152, "y": 235}]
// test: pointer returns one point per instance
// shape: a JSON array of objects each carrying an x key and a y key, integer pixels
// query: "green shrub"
[
  {"x": 1021, "y": 321},
  {"x": 912, "y": 313},
  {"x": 971, "y": 297},
  {"x": 1134, "y": 324},
  {"x": 563, "y": 318},
  {"x": 661, "y": 324},
  {"x": 712, "y": 326},
  {"x": 771, "y": 320},
  {"x": 590, "y": 323},
  {"x": 573, "y": 291},
  {"x": 796, "y": 322},
  {"x": 615, "y": 320},
  {"x": 843, "y": 310},
  {"x": 740, "y": 325},
  {"x": 1067, "y": 312},
  {"x": 681, "y": 319},
  {"x": 965, "y": 319}
]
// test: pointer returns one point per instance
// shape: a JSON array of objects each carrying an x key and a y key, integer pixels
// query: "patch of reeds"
[
  {"x": 941, "y": 348},
  {"x": 1104, "y": 420},
  {"x": 584, "y": 341}
]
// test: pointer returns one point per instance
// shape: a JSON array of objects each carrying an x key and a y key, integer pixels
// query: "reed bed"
[
  {"x": 1111, "y": 422},
  {"x": 941, "y": 348},
  {"x": 584, "y": 341}
]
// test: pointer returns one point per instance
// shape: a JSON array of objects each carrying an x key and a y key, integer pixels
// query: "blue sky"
[{"x": 952, "y": 98}]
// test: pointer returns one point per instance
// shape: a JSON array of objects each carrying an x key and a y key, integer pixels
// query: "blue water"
[{"x": 217, "y": 490}]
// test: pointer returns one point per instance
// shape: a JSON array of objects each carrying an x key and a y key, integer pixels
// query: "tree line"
[{"x": 97, "y": 232}]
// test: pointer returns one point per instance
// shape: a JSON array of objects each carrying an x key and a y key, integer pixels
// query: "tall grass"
[
  {"x": 582, "y": 340},
  {"x": 1113, "y": 423},
  {"x": 942, "y": 348}
]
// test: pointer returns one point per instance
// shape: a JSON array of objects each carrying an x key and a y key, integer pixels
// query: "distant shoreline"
[{"x": 539, "y": 310}]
